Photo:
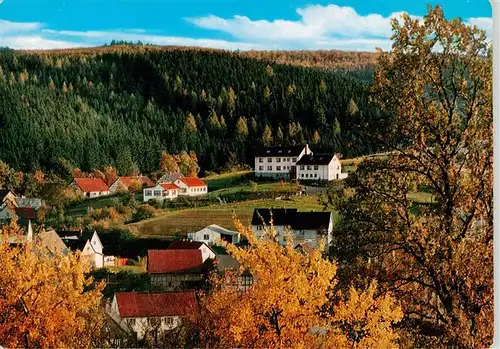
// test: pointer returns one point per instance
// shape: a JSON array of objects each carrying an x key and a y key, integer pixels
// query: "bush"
[{"x": 143, "y": 212}]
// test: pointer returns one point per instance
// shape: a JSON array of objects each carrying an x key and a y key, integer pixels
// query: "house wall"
[
  {"x": 95, "y": 194},
  {"x": 310, "y": 236},
  {"x": 205, "y": 235},
  {"x": 158, "y": 193},
  {"x": 5, "y": 212},
  {"x": 206, "y": 253},
  {"x": 268, "y": 166},
  {"x": 96, "y": 259},
  {"x": 116, "y": 186},
  {"x": 314, "y": 172}
]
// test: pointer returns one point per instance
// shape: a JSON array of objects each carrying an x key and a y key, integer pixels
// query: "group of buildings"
[
  {"x": 297, "y": 162},
  {"x": 167, "y": 187}
]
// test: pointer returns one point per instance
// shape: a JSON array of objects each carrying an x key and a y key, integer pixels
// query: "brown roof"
[
  {"x": 174, "y": 261},
  {"x": 193, "y": 182},
  {"x": 132, "y": 304},
  {"x": 88, "y": 185},
  {"x": 141, "y": 179}
]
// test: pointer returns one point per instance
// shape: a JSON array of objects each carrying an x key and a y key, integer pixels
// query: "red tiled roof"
[
  {"x": 141, "y": 179},
  {"x": 169, "y": 186},
  {"x": 25, "y": 212},
  {"x": 174, "y": 261},
  {"x": 132, "y": 304},
  {"x": 91, "y": 184},
  {"x": 193, "y": 182}
]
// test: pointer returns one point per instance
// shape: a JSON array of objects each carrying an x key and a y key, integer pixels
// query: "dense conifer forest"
[{"x": 123, "y": 105}]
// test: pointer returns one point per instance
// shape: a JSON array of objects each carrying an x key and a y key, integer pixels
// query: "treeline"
[{"x": 124, "y": 106}]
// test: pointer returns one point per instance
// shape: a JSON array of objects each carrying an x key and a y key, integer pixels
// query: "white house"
[
  {"x": 309, "y": 227},
  {"x": 161, "y": 192},
  {"x": 89, "y": 244},
  {"x": 91, "y": 187},
  {"x": 324, "y": 167},
  {"x": 191, "y": 186},
  {"x": 206, "y": 251},
  {"x": 150, "y": 314},
  {"x": 213, "y": 233},
  {"x": 279, "y": 162}
]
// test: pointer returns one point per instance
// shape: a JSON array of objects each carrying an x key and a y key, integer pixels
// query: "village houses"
[
  {"x": 183, "y": 186},
  {"x": 310, "y": 227}
]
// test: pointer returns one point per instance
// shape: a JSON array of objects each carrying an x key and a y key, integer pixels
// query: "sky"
[{"x": 360, "y": 25}]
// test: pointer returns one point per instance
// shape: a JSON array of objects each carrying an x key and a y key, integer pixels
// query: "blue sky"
[{"x": 227, "y": 24}]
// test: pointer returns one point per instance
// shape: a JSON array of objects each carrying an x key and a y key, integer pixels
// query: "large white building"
[
  {"x": 279, "y": 162},
  {"x": 309, "y": 227},
  {"x": 325, "y": 167}
]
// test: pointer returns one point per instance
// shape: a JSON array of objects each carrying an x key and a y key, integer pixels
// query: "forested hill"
[{"x": 124, "y": 106}]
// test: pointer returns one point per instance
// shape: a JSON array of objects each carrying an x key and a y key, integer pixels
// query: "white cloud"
[
  {"x": 7, "y": 27},
  {"x": 318, "y": 27}
]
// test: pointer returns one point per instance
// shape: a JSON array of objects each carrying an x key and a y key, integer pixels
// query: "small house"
[
  {"x": 191, "y": 186},
  {"x": 91, "y": 187},
  {"x": 169, "y": 177},
  {"x": 149, "y": 315},
  {"x": 213, "y": 233},
  {"x": 89, "y": 244},
  {"x": 175, "y": 269}
]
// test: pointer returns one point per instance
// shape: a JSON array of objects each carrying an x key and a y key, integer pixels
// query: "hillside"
[{"x": 124, "y": 105}]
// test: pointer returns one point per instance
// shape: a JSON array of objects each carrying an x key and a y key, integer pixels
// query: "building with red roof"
[
  {"x": 191, "y": 186},
  {"x": 141, "y": 313},
  {"x": 175, "y": 269},
  {"x": 123, "y": 183},
  {"x": 206, "y": 251},
  {"x": 91, "y": 187}
]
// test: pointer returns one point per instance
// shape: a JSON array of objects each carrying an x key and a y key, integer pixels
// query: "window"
[
  {"x": 130, "y": 322},
  {"x": 261, "y": 168},
  {"x": 294, "y": 159},
  {"x": 270, "y": 168},
  {"x": 261, "y": 160},
  {"x": 301, "y": 175},
  {"x": 269, "y": 159},
  {"x": 278, "y": 159},
  {"x": 148, "y": 193},
  {"x": 316, "y": 167},
  {"x": 169, "y": 321},
  {"x": 93, "y": 242},
  {"x": 284, "y": 159},
  {"x": 206, "y": 237},
  {"x": 338, "y": 167},
  {"x": 157, "y": 193},
  {"x": 278, "y": 168},
  {"x": 288, "y": 159},
  {"x": 315, "y": 175},
  {"x": 302, "y": 167},
  {"x": 307, "y": 175},
  {"x": 309, "y": 167}
]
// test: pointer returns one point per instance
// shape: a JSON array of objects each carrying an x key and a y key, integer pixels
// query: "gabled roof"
[
  {"x": 175, "y": 261},
  {"x": 25, "y": 212},
  {"x": 169, "y": 186},
  {"x": 141, "y": 179},
  {"x": 293, "y": 150},
  {"x": 185, "y": 245},
  {"x": 52, "y": 242},
  {"x": 132, "y": 304},
  {"x": 4, "y": 193},
  {"x": 192, "y": 182},
  {"x": 88, "y": 185},
  {"x": 316, "y": 159},
  {"x": 292, "y": 218},
  {"x": 170, "y": 177},
  {"x": 218, "y": 229}
]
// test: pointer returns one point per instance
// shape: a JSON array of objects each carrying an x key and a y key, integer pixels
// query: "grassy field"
[
  {"x": 101, "y": 202},
  {"x": 179, "y": 223},
  {"x": 225, "y": 180}
]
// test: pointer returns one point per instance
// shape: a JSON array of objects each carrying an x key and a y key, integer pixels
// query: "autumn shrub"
[{"x": 143, "y": 212}]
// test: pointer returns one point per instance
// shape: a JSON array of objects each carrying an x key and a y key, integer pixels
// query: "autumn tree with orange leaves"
[
  {"x": 46, "y": 301},
  {"x": 436, "y": 256},
  {"x": 292, "y": 303}
]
